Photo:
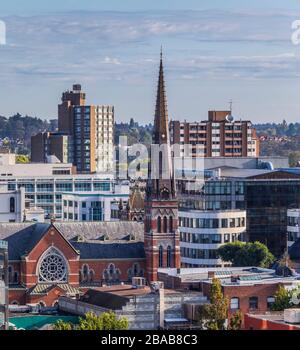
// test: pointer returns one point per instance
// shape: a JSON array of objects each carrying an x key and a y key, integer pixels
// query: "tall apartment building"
[
  {"x": 219, "y": 136},
  {"x": 93, "y": 138},
  {"x": 84, "y": 137}
]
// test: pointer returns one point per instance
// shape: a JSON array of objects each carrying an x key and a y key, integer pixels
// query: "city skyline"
[{"x": 211, "y": 56}]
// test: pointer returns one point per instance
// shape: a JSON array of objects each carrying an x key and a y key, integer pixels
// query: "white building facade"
[
  {"x": 45, "y": 185},
  {"x": 203, "y": 232}
]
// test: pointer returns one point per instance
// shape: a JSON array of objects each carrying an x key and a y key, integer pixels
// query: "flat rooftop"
[
  {"x": 230, "y": 275},
  {"x": 129, "y": 291}
]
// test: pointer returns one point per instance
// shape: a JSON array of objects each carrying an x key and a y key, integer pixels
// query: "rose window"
[{"x": 53, "y": 268}]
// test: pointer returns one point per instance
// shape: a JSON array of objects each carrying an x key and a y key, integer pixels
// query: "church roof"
[
  {"x": 104, "y": 250},
  {"x": 86, "y": 237}
]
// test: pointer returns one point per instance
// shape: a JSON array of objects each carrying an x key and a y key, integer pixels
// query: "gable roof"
[{"x": 22, "y": 238}]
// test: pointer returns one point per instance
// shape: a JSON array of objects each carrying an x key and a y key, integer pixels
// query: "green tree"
[
  {"x": 107, "y": 321},
  {"x": 235, "y": 322},
  {"x": 282, "y": 299},
  {"x": 216, "y": 312},
  {"x": 246, "y": 254},
  {"x": 60, "y": 325}
]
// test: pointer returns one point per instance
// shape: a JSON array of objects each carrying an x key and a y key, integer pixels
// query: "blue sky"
[{"x": 214, "y": 51}]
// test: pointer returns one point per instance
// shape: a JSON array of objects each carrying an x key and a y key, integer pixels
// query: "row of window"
[
  {"x": 62, "y": 187},
  {"x": 192, "y": 253},
  {"x": 253, "y": 303},
  {"x": 209, "y": 239},
  {"x": 211, "y": 223},
  {"x": 224, "y": 187}
]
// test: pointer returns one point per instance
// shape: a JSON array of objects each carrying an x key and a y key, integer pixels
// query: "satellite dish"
[{"x": 229, "y": 118}]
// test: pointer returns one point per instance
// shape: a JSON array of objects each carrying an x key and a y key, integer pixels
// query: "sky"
[{"x": 214, "y": 51}]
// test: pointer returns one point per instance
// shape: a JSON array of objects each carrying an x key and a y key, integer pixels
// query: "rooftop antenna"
[
  {"x": 161, "y": 52},
  {"x": 229, "y": 117},
  {"x": 230, "y": 106}
]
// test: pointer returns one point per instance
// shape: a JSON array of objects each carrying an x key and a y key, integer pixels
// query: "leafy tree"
[
  {"x": 235, "y": 322},
  {"x": 60, "y": 325},
  {"x": 246, "y": 254},
  {"x": 282, "y": 299},
  {"x": 216, "y": 312},
  {"x": 107, "y": 321}
]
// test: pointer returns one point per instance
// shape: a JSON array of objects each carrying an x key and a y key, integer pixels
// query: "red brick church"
[{"x": 47, "y": 261}]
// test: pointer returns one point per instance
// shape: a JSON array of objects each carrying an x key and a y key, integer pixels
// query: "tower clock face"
[{"x": 163, "y": 136}]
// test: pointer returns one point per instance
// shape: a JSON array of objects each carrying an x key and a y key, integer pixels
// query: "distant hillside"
[{"x": 16, "y": 131}]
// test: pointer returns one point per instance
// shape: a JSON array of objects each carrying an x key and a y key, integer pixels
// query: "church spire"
[
  {"x": 161, "y": 176},
  {"x": 161, "y": 128}
]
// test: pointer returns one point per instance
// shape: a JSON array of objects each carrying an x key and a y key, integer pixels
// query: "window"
[
  {"x": 165, "y": 224},
  {"x": 253, "y": 303},
  {"x": 171, "y": 224},
  {"x": 226, "y": 238},
  {"x": 83, "y": 204},
  {"x": 159, "y": 224},
  {"x": 224, "y": 223},
  {"x": 270, "y": 302},
  {"x": 52, "y": 267},
  {"x": 234, "y": 303},
  {"x": 12, "y": 205},
  {"x": 161, "y": 251},
  {"x": 169, "y": 254}
]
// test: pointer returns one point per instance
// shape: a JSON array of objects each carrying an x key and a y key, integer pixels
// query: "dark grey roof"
[
  {"x": 23, "y": 241},
  {"x": 104, "y": 299},
  {"x": 114, "y": 231},
  {"x": 86, "y": 237},
  {"x": 104, "y": 250}
]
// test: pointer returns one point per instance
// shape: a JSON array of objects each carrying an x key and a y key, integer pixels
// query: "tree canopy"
[
  {"x": 108, "y": 321},
  {"x": 246, "y": 254}
]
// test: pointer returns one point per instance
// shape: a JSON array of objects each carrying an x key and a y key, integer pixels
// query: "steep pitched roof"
[{"x": 23, "y": 241}]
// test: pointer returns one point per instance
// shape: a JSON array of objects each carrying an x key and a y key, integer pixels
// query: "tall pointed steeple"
[
  {"x": 161, "y": 238},
  {"x": 161, "y": 174},
  {"x": 161, "y": 130}
]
